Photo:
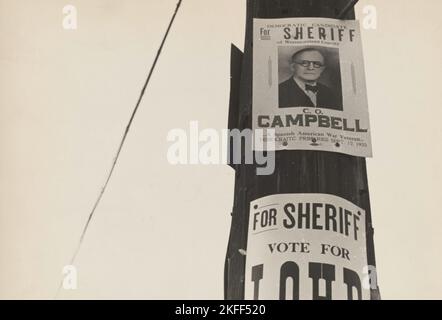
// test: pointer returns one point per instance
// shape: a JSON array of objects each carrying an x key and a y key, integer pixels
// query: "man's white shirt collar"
[{"x": 312, "y": 95}]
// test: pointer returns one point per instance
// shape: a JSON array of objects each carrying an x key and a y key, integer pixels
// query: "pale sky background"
[{"x": 161, "y": 231}]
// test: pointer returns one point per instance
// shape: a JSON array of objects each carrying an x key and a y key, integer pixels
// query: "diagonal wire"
[{"x": 103, "y": 189}]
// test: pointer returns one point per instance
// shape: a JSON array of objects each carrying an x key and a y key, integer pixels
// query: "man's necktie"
[{"x": 313, "y": 89}]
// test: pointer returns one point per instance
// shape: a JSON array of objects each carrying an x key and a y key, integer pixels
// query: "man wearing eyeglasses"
[{"x": 303, "y": 88}]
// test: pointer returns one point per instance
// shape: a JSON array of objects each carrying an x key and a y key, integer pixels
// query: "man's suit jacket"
[{"x": 291, "y": 95}]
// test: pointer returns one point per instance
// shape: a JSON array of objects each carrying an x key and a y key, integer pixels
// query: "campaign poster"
[
  {"x": 309, "y": 90},
  {"x": 306, "y": 247}
]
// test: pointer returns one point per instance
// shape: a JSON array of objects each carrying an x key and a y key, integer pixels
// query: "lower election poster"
[{"x": 306, "y": 246}]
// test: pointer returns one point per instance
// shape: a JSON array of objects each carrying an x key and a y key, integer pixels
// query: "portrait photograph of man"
[{"x": 310, "y": 77}]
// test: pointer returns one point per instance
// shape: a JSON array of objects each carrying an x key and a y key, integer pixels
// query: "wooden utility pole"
[{"x": 296, "y": 171}]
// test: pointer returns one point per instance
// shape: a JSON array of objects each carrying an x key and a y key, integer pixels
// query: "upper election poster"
[{"x": 309, "y": 85}]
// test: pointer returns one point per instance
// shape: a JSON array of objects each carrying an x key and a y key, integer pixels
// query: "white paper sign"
[
  {"x": 306, "y": 246},
  {"x": 309, "y": 85}
]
